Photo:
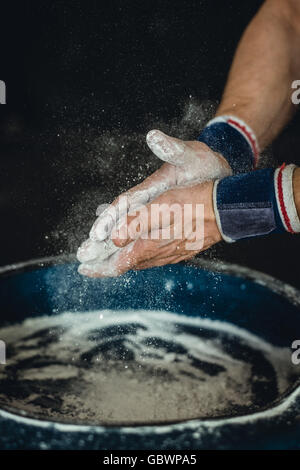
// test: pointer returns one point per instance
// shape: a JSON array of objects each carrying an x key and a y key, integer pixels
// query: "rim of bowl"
[{"x": 223, "y": 267}]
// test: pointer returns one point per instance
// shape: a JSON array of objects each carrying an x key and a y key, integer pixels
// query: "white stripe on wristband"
[
  {"x": 283, "y": 180},
  {"x": 244, "y": 129}
]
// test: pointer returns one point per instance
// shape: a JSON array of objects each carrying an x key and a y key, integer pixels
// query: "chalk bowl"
[{"x": 165, "y": 352}]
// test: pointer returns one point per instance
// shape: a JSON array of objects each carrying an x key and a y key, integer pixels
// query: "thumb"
[{"x": 169, "y": 149}]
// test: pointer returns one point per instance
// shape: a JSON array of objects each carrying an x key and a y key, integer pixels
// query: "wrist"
[
  {"x": 202, "y": 194},
  {"x": 240, "y": 109},
  {"x": 234, "y": 140},
  {"x": 256, "y": 204}
]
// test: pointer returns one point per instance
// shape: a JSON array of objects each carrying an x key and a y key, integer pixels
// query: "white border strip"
[
  {"x": 288, "y": 197},
  {"x": 217, "y": 214}
]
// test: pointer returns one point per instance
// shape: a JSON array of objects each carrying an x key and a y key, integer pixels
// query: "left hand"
[{"x": 150, "y": 238}]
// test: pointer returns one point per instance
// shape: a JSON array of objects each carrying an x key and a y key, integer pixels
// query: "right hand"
[{"x": 186, "y": 163}]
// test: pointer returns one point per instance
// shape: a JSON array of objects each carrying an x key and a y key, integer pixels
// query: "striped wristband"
[
  {"x": 256, "y": 203},
  {"x": 234, "y": 139}
]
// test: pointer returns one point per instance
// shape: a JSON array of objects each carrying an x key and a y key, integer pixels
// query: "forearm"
[{"x": 266, "y": 63}]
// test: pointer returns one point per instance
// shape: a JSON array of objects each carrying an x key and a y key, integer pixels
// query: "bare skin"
[
  {"x": 266, "y": 63},
  {"x": 147, "y": 253},
  {"x": 258, "y": 91},
  {"x": 156, "y": 251},
  {"x": 187, "y": 163}
]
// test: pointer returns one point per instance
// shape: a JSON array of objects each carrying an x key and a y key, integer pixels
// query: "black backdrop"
[{"x": 85, "y": 81}]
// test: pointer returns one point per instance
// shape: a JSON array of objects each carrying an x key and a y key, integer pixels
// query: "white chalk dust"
[{"x": 131, "y": 367}]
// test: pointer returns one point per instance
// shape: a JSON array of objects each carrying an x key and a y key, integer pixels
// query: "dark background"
[{"x": 85, "y": 81}]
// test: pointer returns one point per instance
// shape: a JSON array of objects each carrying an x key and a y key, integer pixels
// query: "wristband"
[
  {"x": 235, "y": 140},
  {"x": 256, "y": 203}
]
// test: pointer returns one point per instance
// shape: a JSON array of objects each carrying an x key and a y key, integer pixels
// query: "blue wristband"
[
  {"x": 255, "y": 204},
  {"x": 233, "y": 139}
]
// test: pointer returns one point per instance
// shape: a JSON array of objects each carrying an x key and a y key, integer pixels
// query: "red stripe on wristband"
[
  {"x": 249, "y": 137},
  {"x": 281, "y": 200}
]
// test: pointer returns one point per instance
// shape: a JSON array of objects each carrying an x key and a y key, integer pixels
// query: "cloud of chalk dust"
[
  {"x": 114, "y": 162},
  {"x": 102, "y": 166},
  {"x": 107, "y": 163}
]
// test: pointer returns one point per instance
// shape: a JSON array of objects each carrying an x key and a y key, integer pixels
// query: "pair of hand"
[{"x": 167, "y": 218}]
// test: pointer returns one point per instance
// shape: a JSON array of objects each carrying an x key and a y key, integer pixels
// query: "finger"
[
  {"x": 170, "y": 258},
  {"x": 132, "y": 254},
  {"x": 162, "y": 261},
  {"x": 160, "y": 214},
  {"x": 149, "y": 252},
  {"x": 184, "y": 257},
  {"x": 87, "y": 251},
  {"x": 173, "y": 251},
  {"x": 166, "y": 148},
  {"x": 156, "y": 184},
  {"x": 134, "y": 227},
  {"x": 95, "y": 270},
  {"x": 141, "y": 254},
  {"x": 91, "y": 250},
  {"x": 116, "y": 211},
  {"x": 105, "y": 268},
  {"x": 140, "y": 251},
  {"x": 166, "y": 255},
  {"x": 101, "y": 208},
  {"x": 103, "y": 225}
]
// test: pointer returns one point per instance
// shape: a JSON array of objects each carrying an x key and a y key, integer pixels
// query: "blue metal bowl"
[{"x": 250, "y": 300}]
